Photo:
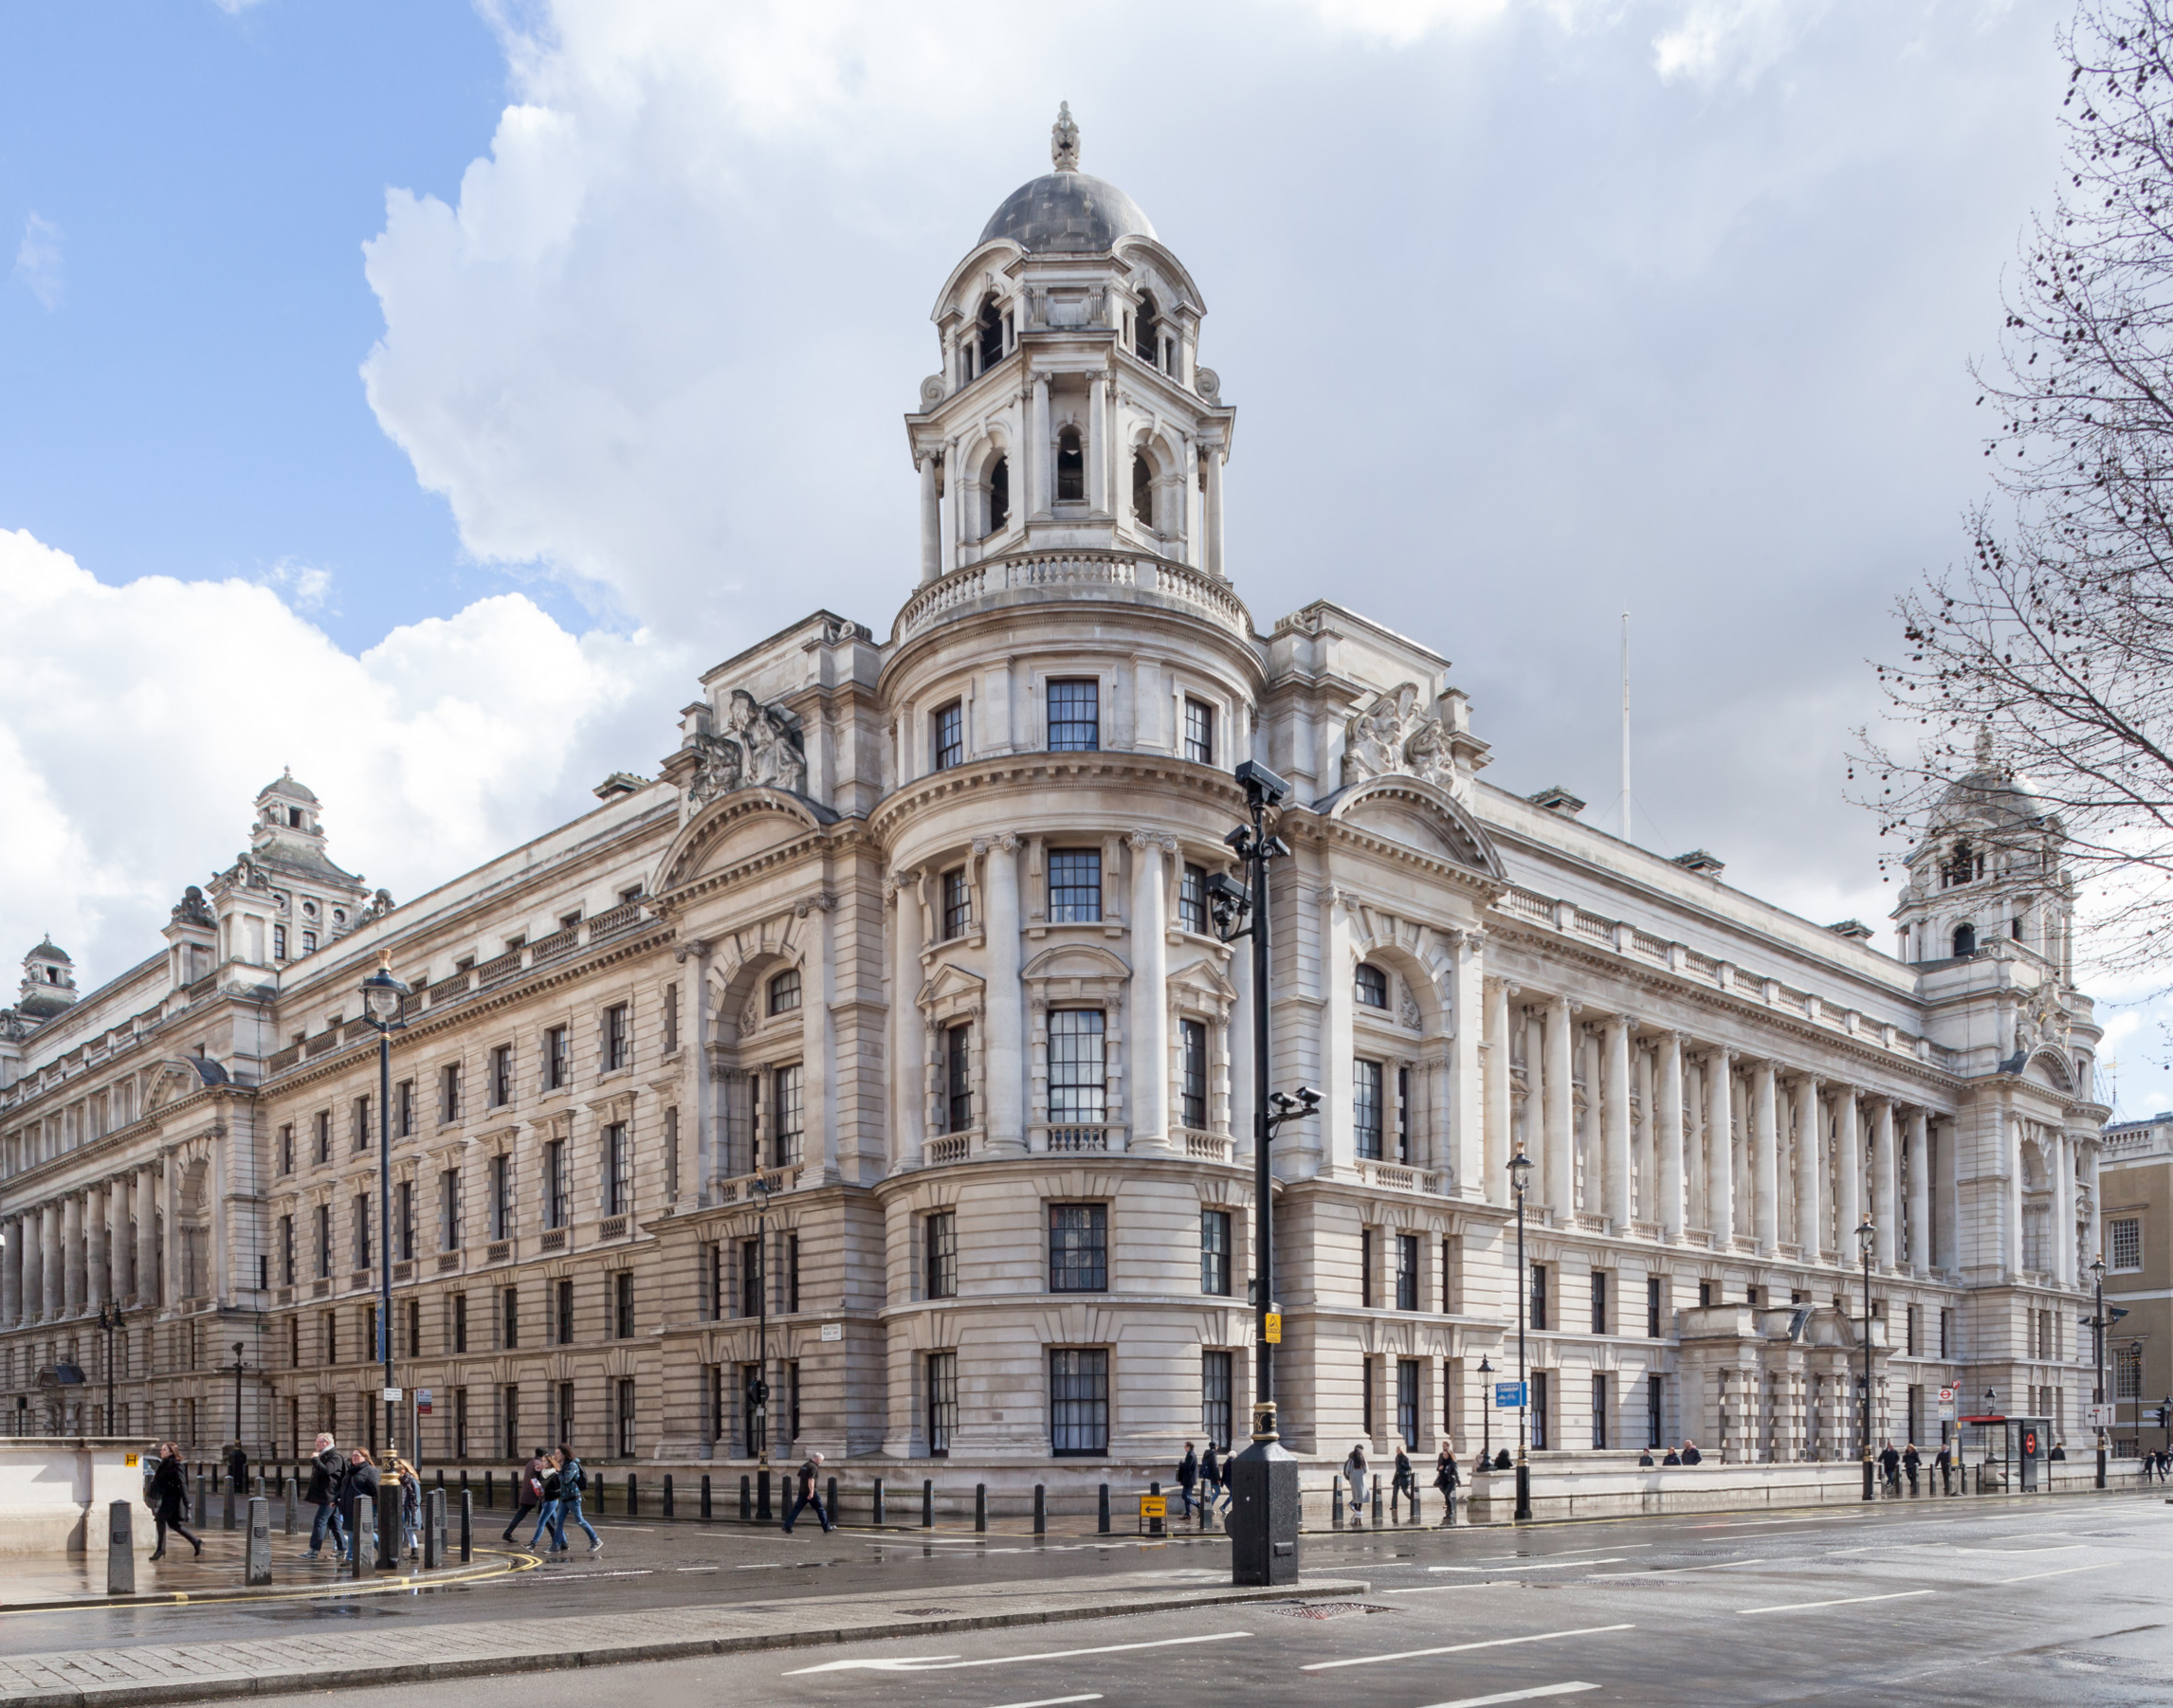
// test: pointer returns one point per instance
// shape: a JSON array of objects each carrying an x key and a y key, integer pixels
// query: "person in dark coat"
[
  {"x": 1943, "y": 1464},
  {"x": 1889, "y": 1464},
  {"x": 238, "y": 1468},
  {"x": 804, "y": 1494},
  {"x": 1671, "y": 1456},
  {"x": 1188, "y": 1480},
  {"x": 1446, "y": 1479},
  {"x": 1691, "y": 1455},
  {"x": 360, "y": 1481},
  {"x": 528, "y": 1491},
  {"x": 327, "y": 1471},
  {"x": 1911, "y": 1459},
  {"x": 168, "y": 1497},
  {"x": 1213, "y": 1480},
  {"x": 2060, "y": 1451}
]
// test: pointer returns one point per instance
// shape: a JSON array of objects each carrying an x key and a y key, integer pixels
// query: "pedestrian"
[
  {"x": 571, "y": 1481},
  {"x": 360, "y": 1483},
  {"x": 1890, "y": 1462},
  {"x": 550, "y": 1509},
  {"x": 1671, "y": 1456},
  {"x": 1354, "y": 1474},
  {"x": 1645, "y": 1458},
  {"x": 1502, "y": 1460},
  {"x": 2060, "y": 1451},
  {"x": 167, "y": 1497},
  {"x": 805, "y": 1494},
  {"x": 1445, "y": 1478},
  {"x": 528, "y": 1492},
  {"x": 327, "y": 1471},
  {"x": 1188, "y": 1480},
  {"x": 1943, "y": 1464},
  {"x": 1911, "y": 1459},
  {"x": 1690, "y": 1453},
  {"x": 411, "y": 1506},
  {"x": 238, "y": 1469},
  {"x": 1211, "y": 1480},
  {"x": 1401, "y": 1482}
]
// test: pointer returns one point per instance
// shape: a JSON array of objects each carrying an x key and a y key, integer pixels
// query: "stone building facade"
[{"x": 892, "y": 1003}]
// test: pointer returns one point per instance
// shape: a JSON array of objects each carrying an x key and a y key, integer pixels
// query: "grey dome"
[
  {"x": 49, "y": 951},
  {"x": 1067, "y": 212},
  {"x": 286, "y": 788}
]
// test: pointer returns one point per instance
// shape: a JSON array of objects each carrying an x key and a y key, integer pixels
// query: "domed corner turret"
[
  {"x": 48, "y": 981},
  {"x": 1071, "y": 413}
]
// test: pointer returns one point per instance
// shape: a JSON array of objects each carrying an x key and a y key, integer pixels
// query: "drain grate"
[
  {"x": 924, "y": 1612},
  {"x": 1327, "y": 1609}
]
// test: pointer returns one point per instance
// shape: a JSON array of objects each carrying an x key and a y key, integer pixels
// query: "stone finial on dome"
[{"x": 1064, "y": 139}]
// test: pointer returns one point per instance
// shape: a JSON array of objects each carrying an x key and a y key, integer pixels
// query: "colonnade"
[
  {"x": 88, "y": 1248},
  {"x": 1650, "y": 1130}
]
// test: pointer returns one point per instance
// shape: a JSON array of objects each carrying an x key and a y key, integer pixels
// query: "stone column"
[
  {"x": 1615, "y": 1173},
  {"x": 1720, "y": 1150},
  {"x": 1919, "y": 1192},
  {"x": 1211, "y": 461},
  {"x": 72, "y": 1254},
  {"x": 1005, "y": 1070},
  {"x": 98, "y": 1248},
  {"x": 1810, "y": 1170},
  {"x": 1558, "y": 1190},
  {"x": 1097, "y": 446},
  {"x": 1148, "y": 1075},
  {"x": 1765, "y": 1165},
  {"x": 1848, "y": 1172},
  {"x": 1886, "y": 1187},
  {"x": 931, "y": 521},
  {"x": 1040, "y": 468},
  {"x": 908, "y": 1030},
  {"x": 1459, "y": 1118},
  {"x": 146, "y": 1207},
  {"x": 1240, "y": 1035},
  {"x": 124, "y": 1252},
  {"x": 53, "y": 1254},
  {"x": 1500, "y": 1089},
  {"x": 1668, "y": 1136},
  {"x": 12, "y": 1272}
]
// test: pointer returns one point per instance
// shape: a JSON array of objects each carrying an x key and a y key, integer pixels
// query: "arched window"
[
  {"x": 1372, "y": 987},
  {"x": 999, "y": 494},
  {"x": 1071, "y": 465},
  {"x": 1147, "y": 331},
  {"x": 991, "y": 334},
  {"x": 1964, "y": 941},
  {"x": 1965, "y": 866},
  {"x": 1143, "y": 489}
]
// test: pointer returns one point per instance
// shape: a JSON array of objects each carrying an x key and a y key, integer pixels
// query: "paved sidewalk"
[{"x": 122, "y": 1678}]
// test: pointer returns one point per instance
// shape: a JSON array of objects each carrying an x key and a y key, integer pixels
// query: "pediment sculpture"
[
  {"x": 1398, "y": 736},
  {"x": 759, "y": 747},
  {"x": 2044, "y": 1020}
]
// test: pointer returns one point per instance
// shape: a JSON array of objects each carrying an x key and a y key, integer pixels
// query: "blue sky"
[{"x": 422, "y": 395}]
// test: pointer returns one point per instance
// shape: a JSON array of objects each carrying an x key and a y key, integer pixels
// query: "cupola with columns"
[{"x": 1072, "y": 411}]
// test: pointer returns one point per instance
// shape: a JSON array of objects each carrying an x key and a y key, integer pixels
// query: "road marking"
[
  {"x": 1507, "y": 1695},
  {"x": 1563, "y": 1553},
  {"x": 1671, "y": 1570},
  {"x": 574, "y": 1577},
  {"x": 1051, "y": 1701},
  {"x": 1846, "y": 1601},
  {"x": 2063, "y": 1572},
  {"x": 949, "y": 1662},
  {"x": 1498, "y": 1584},
  {"x": 1538, "y": 1566},
  {"x": 698, "y": 1568},
  {"x": 1458, "y": 1648}
]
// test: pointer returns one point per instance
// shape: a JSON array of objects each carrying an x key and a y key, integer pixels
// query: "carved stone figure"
[
  {"x": 719, "y": 766},
  {"x": 760, "y": 745},
  {"x": 1396, "y": 736},
  {"x": 193, "y": 909}
]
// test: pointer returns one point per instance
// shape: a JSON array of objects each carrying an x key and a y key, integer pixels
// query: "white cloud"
[
  {"x": 1716, "y": 40},
  {"x": 38, "y": 262},
  {"x": 233, "y": 6},
  {"x": 137, "y": 723}
]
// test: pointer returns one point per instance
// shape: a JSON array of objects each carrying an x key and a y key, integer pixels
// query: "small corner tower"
[
  {"x": 49, "y": 982},
  {"x": 1071, "y": 411}
]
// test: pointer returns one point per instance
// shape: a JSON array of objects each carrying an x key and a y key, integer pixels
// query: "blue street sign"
[{"x": 1509, "y": 1394}]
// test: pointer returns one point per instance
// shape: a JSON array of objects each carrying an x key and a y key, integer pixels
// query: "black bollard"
[
  {"x": 490, "y": 1497},
  {"x": 1376, "y": 1500},
  {"x": 1336, "y": 1504},
  {"x": 121, "y": 1549},
  {"x": 763, "y": 1512},
  {"x": 1103, "y": 1524},
  {"x": 829, "y": 1500},
  {"x": 879, "y": 1502},
  {"x": 747, "y": 1500},
  {"x": 633, "y": 1496},
  {"x": 1040, "y": 1511},
  {"x": 258, "y": 1568},
  {"x": 705, "y": 1493},
  {"x": 389, "y": 1528},
  {"x": 466, "y": 1521},
  {"x": 287, "y": 1494},
  {"x": 202, "y": 1506},
  {"x": 435, "y": 1530},
  {"x": 667, "y": 1493},
  {"x": 927, "y": 1504},
  {"x": 1156, "y": 1526},
  {"x": 361, "y": 1532},
  {"x": 227, "y": 1517},
  {"x": 980, "y": 1506}
]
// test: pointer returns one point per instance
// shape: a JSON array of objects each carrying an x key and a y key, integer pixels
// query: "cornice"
[{"x": 1034, "y": 770}]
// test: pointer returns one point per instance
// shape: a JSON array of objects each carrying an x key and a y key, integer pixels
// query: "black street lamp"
[
  {"x": 384, "y": 1004},
  {"x": 2097, "y": 1336},
  {"x": 1486, "y": 1416},
  {"x": 1866, "y": 1235},
  {"x": 759, "y": 1391},
  {"x": 1520, "y": 1171},
  {"x": 1263, "y": 1521},
  {"x": 109, "y": 1320},
  {"x": 237, "y": 1393}
]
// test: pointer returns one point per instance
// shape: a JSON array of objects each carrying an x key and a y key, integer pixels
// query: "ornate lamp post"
[
  {"x": 1485, "y": 1415},
  {"x": 384, "y": 1004},
  {"x": 758, "y": 1395},
  {"x": 1520, "y": 1171},
  {"x": 1263, "y": 1522},
  {"x": 2097, "y": 1336},
  {"x": 237, "y": 1393},
  {"x": 109, "y": 1320},
  {"x": 1865, "y": 1236}
]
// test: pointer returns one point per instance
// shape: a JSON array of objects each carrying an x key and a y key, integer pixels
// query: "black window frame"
[
  {"x": 939, "y": 1254},
  {"x": 956, "y": 1107},
  {"x": 622, "y": 1305},
  {"x": 941, "y": 1374},
  {"x": 1599, "y": 1312},
  {"x": 557, "y": 1057},
  {"x": 783, "y": 994},
  {"x": 1078, "y": 1402},
  {"x": 947, "y": 736},
  {"x": 1537, "y": 1305},
  {"x": 1078, "y": 730},
  {"x": 1078, "y": 1096},
  {"x": 955, "y": 897},
  {"x": 1369, "y": 987},
  {"x": 1407, "y": 1272},
  {"x": 1192, "y": 899},
  {"x": 1217, "y": 1395},
  {"x": 1214, "y": 1243},
  {"x": 1655, "y": 1307},
  {"x": 1368, "y": 1087},
  {"x": 1198, "y": 730},
  {"x": 618, "y": 1049},
  {"x": 1074, "y": 878},
  {"x": 1192, "y": 1073},
  {"x": 1078, "y": 1247}
]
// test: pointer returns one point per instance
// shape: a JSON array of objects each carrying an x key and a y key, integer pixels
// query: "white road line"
[
  {"x": 1051, "y": 1701},
  {"x": 698, "y": 1568},
  {"x": 1508, "y": 1696},
  {"x": 1458, "y": 1648},
  {"x": 1563, "y": 1553},
  {"x": 1846, "y": 1601},
  {"x": 1498, "y": 1584},
  {"x": 951, "y": 1662},
  {"x": 2063, "y": 1572},
  {"x": 1533, "y": 1565},
  {"x": 1671, "y": 1570},
  {"x": 573, "y": 1577}
]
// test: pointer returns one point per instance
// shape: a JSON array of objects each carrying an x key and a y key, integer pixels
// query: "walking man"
[
  {"x": 326, "y": 1473},
  {"x": 1943, "y": 1464},
  {"x": 1188, "y": 1479},
  {"x": 1910, "y": 1460},
  {"x": 1445, "y": 1478},
  {"x": 361, "y": 1480},
  {"x": 572, "y": 1479},
  {"x": 1889, "y": 1462},
  {"x": 1403, "y": 1482},
  {"x": 528, "y": 1493},
  {"x": 804, "y": 1494}
]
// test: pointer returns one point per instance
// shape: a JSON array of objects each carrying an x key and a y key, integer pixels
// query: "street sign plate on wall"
[
  {"x": 834, "y": 1331},
  {"x": 1275, "y": 1328},
  {"x": 1509, "y": 1394}
]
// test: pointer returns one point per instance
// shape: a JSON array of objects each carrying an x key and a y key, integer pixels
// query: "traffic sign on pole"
[{"x": 1509, "y": 1394}]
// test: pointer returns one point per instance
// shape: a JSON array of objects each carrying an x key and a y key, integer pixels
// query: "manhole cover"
[
  {"x": 1327, "y": 1609},
  {"x": 924, "y": 1612}
]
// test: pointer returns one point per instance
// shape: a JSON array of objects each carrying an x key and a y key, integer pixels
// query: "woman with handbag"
[{"x": 168, "y": 1497}]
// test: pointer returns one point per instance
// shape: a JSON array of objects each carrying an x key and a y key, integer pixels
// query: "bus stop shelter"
[{"x": 2009, "y": 1452}]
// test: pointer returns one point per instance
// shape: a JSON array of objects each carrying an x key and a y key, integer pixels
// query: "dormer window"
[
  {"x": 1965, "y": 866},
  {"x": 999, "y": 494},
  {"x": 1147, "y": 331},
  {"x": 1964, "y": 941},
  {"x": 294, "y": 819},
  {"x": 1372, "y": 987},
  {"x": 785, "y": 992},
  {"x": 989, "y": 335},
  {"x": 1071, "y": 466}
]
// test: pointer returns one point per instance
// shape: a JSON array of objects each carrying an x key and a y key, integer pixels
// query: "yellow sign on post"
[
  {"x": 1154, "y": 1506},
  {"x": 129, "y": 1461},
  {"x": 1275, "y": 1328}
]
